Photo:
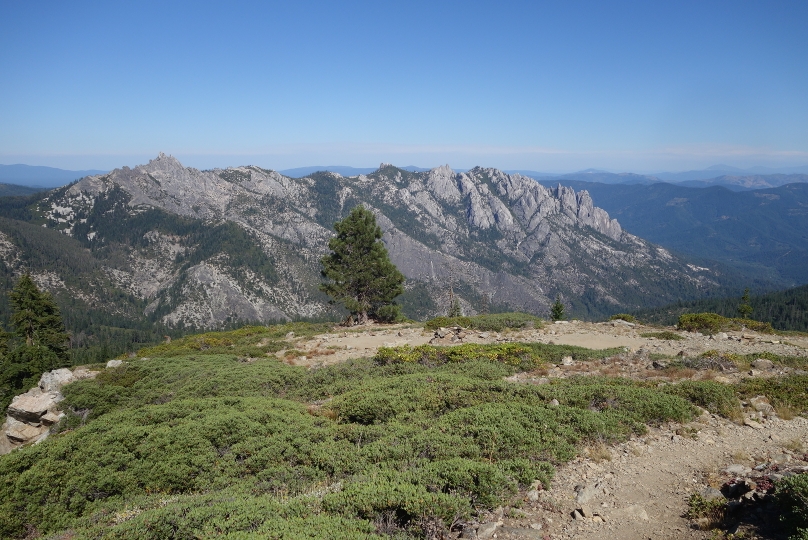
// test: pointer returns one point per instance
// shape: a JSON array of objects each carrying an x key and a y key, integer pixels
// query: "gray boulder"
[
  {"x": 53, "y": 381},
  {"x": 32, "y": 406}
]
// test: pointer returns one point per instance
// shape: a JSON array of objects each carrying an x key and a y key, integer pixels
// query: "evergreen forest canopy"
[
  {"x": 760, "y": 234},
  {"x": 784, "y": 310},
  {"x": 358, "y": 271}
]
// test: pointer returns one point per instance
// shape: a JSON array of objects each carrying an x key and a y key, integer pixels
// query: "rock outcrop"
[{"x": 30, "y": 415}]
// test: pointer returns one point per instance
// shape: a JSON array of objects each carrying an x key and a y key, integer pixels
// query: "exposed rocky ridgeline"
[{"x": 205, "y": 247}]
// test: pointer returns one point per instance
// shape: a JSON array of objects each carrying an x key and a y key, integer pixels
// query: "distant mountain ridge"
[
  {"x": 761, "y": 233},
  {"x": 747, "y": 182},
  {"x": 39, "y": 176},
  {"x": 14, "y": 190},
  {"x": 343, "y": 170},
  {"x": 201, "y": 248},
  {"x": 725, "y": 170}
]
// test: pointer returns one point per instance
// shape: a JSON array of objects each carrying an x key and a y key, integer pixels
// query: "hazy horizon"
[{"x": 717, "y": 167}]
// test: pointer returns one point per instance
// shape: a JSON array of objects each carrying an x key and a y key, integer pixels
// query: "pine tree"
[
  {"x": 745, "y": 308},
  {"x": 557, "y": 310},
  {"x": 41, "y": 343},
  {"x": 455, "y": 310},
  {"x": 485, "y": 304},
  {"x": 359, "y": 273}
]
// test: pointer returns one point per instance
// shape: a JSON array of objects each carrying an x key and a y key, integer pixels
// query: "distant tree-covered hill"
[
  {"x": 785, "y": 310},
  {"x": 13, "y": 190},
  {"x": 762, "y": 234}
]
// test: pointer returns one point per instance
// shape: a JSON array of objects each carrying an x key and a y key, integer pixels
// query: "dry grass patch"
[
  {"x": 785, "y": 410},
  {"x": 741, "y": 456},
  {"x": 598, "y": 452},
  {"x": 795, "y": 445},
  {"x": 677, "y": 373}
]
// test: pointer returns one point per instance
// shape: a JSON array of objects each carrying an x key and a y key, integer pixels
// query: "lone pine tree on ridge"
[{"x": 358, "y": 270}]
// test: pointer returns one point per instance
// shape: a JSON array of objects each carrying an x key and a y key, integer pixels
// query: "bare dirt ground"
[
  {"x": 337, "y": 347},
  {"x": 638, "y": 489}
]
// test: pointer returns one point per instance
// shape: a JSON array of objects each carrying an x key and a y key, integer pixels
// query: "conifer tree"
[
  {"x": 745, "y": 308},
  {"x": 358, "y": 271},
  {"x": 557, "y": 309},
  {"x": 41, "y": 343}
]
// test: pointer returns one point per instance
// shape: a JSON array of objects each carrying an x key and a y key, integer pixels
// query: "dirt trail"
[{"x": 643, "y": 490}]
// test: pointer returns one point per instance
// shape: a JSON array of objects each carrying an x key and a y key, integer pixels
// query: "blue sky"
[{"x": 561, "y": 86}]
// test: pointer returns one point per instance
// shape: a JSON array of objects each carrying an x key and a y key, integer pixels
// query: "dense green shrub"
[
  {"x": 495, "y": 322},
  {"x": 713, "y": 510},
  {"x": 243, "y": 341},
  {"x": 790, "y": 391},
  {"x": 710, "y": 323},
  {"x": 792, "y": 496},
  {"x": 369, "y": 497},
  {"x": 716, "y": 397},
  {"x": 701, "y": 322},
  {"x": 231, "y": 514},
  {"x": 507, "y": 353},
  {"x": 199, "y": 445},
  {"x": 521, "y": 355},
  {"x": 623, "y": 317}
]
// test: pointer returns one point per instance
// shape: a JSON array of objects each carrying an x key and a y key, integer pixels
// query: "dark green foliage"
[
  {"x": 710, "y": 323},
  {"x": 359, "y": 272},
  {"x": 714, "y": 510},
  {"x": 623, "y": 317},
  {"x": 792, "y": 497},
  {"x": 522, "y": 355},
  {"x": 744, "y": 309},
  {"x": 510, "y": 353},
  {"x": 759, "y": 234},
  {"x": 697, "y": 322},
  {"x": 487, "y": 323},
  {"x": 416, "y": 301},
  {"x": 557, "y": 310},
  {"x": 40, "y": 344},
  {"x": 715, "y": 397},
  {"x": 14, "y": 190},
  {"x": 790, "y": 391},
  {"x": 389, "y": 313},
  {"x": 36, "y": 318},
  {"x": 454, "y": 306},
  {"x": 200, "y": 445},
  {"x": 665, "y": 334},
  {"x": 784, "y": 310},
  {"x": 101, "y": 330}
]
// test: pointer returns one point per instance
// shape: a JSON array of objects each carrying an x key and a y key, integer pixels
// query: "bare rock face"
[
  {"x": 31, "y": 414},
  {"x": 20, "y": 432},
  {"x": 32, "y": 406},
  {"x": 53, "y": 381},
  {"x": 501, "y": 236}
]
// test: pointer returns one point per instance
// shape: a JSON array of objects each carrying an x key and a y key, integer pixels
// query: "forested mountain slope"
[{"x": 763, "y": 234}]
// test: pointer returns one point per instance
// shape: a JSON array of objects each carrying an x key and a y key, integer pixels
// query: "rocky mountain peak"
[
  {"x": 441, "y": 182},
  {"x": 163, "y": 162},
  {"x": 501, "y": 235}
]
